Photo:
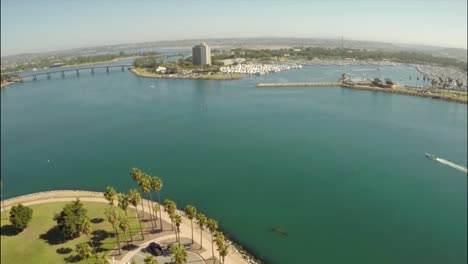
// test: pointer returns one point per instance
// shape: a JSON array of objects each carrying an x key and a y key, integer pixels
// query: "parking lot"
[{"x": 192, "y": 258}]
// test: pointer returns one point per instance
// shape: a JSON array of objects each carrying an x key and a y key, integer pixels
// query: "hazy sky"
[{"x": 46, "y": 25}]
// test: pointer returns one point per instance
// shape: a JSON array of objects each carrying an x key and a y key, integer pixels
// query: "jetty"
[{"x": 307, "y": 84}]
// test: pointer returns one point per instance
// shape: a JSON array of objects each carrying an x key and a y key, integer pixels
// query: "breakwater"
[
  {"x": 454, "y": 96},
  {"x": 307, "y": 84}
]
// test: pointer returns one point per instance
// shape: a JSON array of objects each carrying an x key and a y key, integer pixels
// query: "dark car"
[{"x": 155, "y": 249}]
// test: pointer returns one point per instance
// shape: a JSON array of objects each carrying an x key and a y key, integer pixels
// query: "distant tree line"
[
  {"x": 311, "y": 53},
  {"x": 77, "y": 60}
]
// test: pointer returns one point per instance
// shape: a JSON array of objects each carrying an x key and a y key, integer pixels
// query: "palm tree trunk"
[
  {"x": 92, "y": 244},
  {"x": 142, "y": 207},
  {"x": 139, "y": 223},
  {"x": 191, "y": 224},
  {"x": 151, "y": 208},
  {"x": 201, "y": 241},
  {"x": 175, "y": 231},
  {"x": 151, "y": 216},
  {"x": 117, "y": 238},
  {"x": 160, "y": 217},
  {"x": 212, "y": 247}
]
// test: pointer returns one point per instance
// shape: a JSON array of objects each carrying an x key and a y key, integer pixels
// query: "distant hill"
[{"x": 265, "y": 42}]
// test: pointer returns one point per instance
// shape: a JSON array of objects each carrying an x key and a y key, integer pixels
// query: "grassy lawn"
[{"x": 41, "y": 243}]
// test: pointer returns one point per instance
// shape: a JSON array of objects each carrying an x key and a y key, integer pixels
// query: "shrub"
[{"x": 20, "y": 216}]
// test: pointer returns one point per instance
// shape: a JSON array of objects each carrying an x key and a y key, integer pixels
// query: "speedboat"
[{"x": 430, "y": 156}]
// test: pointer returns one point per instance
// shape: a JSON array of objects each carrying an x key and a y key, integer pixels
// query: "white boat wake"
[{"x": 451, "y": 164}]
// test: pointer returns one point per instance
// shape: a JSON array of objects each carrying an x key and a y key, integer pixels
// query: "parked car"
[{"x": 155, "y": 249}]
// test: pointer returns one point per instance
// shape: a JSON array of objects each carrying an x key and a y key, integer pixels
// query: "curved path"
[{"x": 185, "y": 229}]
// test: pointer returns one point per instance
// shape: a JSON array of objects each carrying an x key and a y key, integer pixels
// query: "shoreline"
[
  {"x": 237, "y": 253},
  {"x": 143, "y": 73}
]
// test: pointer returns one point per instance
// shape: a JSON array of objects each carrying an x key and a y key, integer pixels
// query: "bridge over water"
[{"x": 62, "y": 71}]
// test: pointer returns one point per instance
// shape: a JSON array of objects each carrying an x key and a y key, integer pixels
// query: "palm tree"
[
  {"x": 134, "y": 199},
  {"x": 219, "y": 239},
  {"x": 83, "y": 250},
  {"x": 223, "y": 250},
  {"x": 170, "y": 207},
  {"x": 156, "y": 208},
  {"x": 191, "y": 212},
  {"x": 177, "y": 222},
  {"x": 178, "y": 254},
  {"x": 124, "y": 224},
  {"x": 145, "y": 186},
  {"x": 86, "y": 229},
  {"x": 101, "y": 258},
  {"x": 201, "y": 221},
  {"x": 213, "y": 227},
  {"x": 1, "y": 198},
  {"x": 150, "y": 260},
  {"x": 136, "y": 177},
  {"x": 112, "y": 217},
  {"x": 110, "y": 195},
  {"x": 157, "y": 184},
  {"x": 123, "y": 202}
]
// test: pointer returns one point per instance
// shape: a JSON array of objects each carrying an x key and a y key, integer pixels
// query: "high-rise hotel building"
[{"x": 201, "y": 54}]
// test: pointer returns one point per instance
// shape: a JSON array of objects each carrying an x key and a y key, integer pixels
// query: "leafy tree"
[
  {"x": 110, "y": 195},
  {"x": 71, "y": 219},
  {"x": 191, "y": 212},
  {"x": 212, "y": 227},
  {"x": 201, "y": 221},
  {"x": 178, "y": 254},
  {"x": 20, "y": 216},
  {"x": 83, "y": 250}
]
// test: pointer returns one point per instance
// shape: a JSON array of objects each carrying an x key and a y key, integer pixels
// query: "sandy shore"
[{"x": 233, "y": 256}]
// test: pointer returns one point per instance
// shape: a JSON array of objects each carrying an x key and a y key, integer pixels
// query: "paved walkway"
[{"x": 185, "y": 229}]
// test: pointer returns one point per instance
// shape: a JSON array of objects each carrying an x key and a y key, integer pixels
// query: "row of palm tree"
[{"x": 146, "y": 184}]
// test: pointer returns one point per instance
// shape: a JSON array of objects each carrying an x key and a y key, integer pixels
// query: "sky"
[{"x": 48, "y": 25}]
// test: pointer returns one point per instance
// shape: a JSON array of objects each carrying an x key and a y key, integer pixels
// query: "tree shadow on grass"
[
  {"x": 98, "y": 236},
  {"x": 97, "y": 220},
  {"x": 64, "y": 250},
  {"x": 72, "y": 259},
  {"x": 8, "y": 230},
  {"x": 53, "y": 236}
]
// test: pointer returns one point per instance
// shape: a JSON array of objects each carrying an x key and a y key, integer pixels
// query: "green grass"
[{"x": 40, "y": 242}]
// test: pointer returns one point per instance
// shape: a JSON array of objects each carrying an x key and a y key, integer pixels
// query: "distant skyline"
[{"x": 49, "y": 25}]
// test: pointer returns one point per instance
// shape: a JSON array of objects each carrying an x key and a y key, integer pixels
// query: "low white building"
[{"x": 161, "y": 69}]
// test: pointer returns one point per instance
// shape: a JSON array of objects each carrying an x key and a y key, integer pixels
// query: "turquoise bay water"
[{"x": 342, "y": 171}]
